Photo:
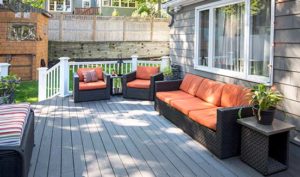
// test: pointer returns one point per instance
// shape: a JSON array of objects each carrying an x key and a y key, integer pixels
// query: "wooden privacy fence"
[{"x": 64, "y": 27}]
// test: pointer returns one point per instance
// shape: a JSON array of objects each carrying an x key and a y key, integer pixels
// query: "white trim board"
[{"x": 175, "y": 3}]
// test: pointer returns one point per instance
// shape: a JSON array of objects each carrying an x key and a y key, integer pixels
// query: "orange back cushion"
[
  {"x": 187, "y": 80},
  {"x": 234, "y": 95},
  {"x": 210, "y": 91},
  {"x": 194, "y": 85},
  {"x": 145, "y": 72},
  {"x": 80, "y": 72}
]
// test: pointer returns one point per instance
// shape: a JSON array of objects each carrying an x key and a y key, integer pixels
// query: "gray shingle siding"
[{"x": 286, "y": 54}]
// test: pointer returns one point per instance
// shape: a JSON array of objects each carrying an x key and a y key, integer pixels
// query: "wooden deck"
[{"x": 118, "y": 138}]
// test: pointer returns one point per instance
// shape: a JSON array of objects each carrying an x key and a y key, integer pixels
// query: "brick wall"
[{"x": 33, "y": 49}]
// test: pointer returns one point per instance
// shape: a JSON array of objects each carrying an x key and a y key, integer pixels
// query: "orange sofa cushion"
[
  {"x": 145, "y": 72},
  {"x": 210, "y": 91},
  {"x": 205, "y": 117},
  {"x": 187, "y": 80},
  {"x": 234, "y": 95},
  {"x": 80, "y": 72},
  {"x": 139, "y": 83},
  {"x": 92, "y": 85},
  {"x": 169, "y": 96},
  {"x": 190, "y": 104},
  {"x": 191, "y": 83}
]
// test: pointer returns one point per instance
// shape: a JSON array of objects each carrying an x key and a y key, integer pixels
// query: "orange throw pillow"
[
  {"x": 81, "y": 70},
  {"x": 145, "y": 72}
]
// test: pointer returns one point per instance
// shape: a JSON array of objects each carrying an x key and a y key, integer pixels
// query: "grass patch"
[{"x": 27, "y": 92}]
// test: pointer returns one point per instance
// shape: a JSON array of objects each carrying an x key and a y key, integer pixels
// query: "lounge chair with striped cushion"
[{"x": 16, "y": 139}]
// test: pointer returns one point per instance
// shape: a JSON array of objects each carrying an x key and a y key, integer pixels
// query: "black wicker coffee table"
[{"x": 265, "y": 147}]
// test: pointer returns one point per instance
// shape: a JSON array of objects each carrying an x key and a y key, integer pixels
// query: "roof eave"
[{"x": 174, "y": 3}]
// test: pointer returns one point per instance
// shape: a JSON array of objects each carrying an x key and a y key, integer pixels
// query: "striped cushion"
[{"x": 13, "y": 119}]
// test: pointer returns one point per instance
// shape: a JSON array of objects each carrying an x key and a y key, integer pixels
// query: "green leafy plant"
[
  {"x": 35, "y": 3},
  {"x": 115, "y": 13},
  {"x": 265, "y": 98},
  {"x": 168, "y": 71},
  {"x": 149, "y": 9},
  {"x": 8, "y": 86}
]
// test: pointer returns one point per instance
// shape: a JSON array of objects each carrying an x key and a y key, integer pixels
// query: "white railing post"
[
  {"x": 4, "y": 69},
  {"x": 42, "y": 83},
  {"x": 134, "y": 60},
  {"x": 165, "y": 62},
  {"x": 64, "y": 76}
]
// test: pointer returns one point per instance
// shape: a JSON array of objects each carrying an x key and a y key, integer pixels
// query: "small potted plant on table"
[
  {"x": 264, "y": 102},
  {"x": 8, "y": 85},
  {"x": 168, "y": 73}
]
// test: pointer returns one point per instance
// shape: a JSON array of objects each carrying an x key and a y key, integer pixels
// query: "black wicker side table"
[
  {"x": 116, "y": 85},
  {"x": 265, "y": 147}
]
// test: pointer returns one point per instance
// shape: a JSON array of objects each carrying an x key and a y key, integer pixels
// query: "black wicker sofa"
[
  {"x": 206, "y": 110},
  {"x": 16, "y": 147}
]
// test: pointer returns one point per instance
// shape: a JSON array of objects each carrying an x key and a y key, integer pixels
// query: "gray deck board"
[{"x": 119, "y": 137}]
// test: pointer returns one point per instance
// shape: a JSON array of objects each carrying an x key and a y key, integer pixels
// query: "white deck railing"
[{"x": 56, "y": 80}]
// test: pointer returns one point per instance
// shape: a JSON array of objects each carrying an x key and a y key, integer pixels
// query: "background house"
[
  {"x": 92, "y": 7},
  {"x": 242, "y": 42},
  {"x": 23, "y": 39}
]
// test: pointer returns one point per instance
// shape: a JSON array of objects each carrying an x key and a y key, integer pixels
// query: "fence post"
[
  {"x": 64, "y": 76},
  {"x": 4, "y": 69},
  {"x": 165, "y": 62},
  {"x": 42, "y": 83},
  {"x": 134, "y": 60}
]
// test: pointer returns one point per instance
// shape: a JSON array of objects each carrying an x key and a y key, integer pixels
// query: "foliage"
[
  {"x": 148, "y": 9},
  {"x": 27, "y": 92},
  {"x": 35, "y": 3},
  {"x": 115, "y": 13},
  {"x": 168, "y": 71},
  {"x": 264, "y": 97},
  {"x": 9, "y": 84}
]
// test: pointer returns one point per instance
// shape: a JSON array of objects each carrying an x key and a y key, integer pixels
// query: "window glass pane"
[
  {"x": 203, "y": 37},
  {"x": 105, "y": 2},
  {"x": 260, "y": 30},
  {"x": 86, "y": 4},
  {"x": 60, "y": 5},
  {"x": 229, "y": 37},
  {"x": 115, "y": 3}
]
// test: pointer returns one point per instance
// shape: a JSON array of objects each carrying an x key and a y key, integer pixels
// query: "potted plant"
[
  {"x": 8, "y": 85},
  {"x": 264, "y": 101},
  {"x": 168, "y": 73},
  {"x": 117, "y": 85}
]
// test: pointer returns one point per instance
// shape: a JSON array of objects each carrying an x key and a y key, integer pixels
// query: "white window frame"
[
  {"x": 70, "y": 9},
  {"x": 83, "y": 1},
  {"x": 240, "y": 75}
]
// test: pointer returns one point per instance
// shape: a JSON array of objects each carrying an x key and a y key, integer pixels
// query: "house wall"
[
  {"x": 24, "y": 56},
  {"x": 286, "y": 55}
]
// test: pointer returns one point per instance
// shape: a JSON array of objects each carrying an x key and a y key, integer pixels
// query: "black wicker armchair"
[
  {"x": 134, "y": 88},
  {"x": 223, "y": 140},
  {"x": 92, "y": 94}
]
